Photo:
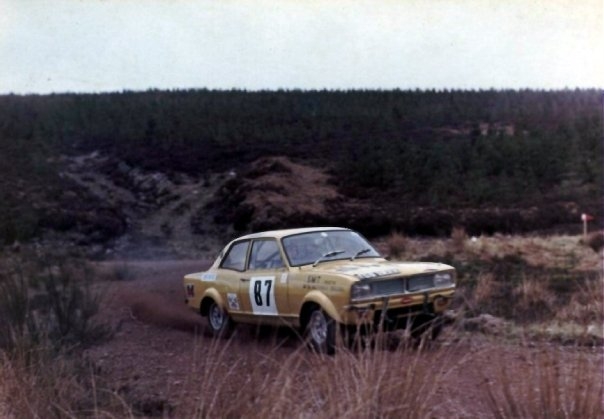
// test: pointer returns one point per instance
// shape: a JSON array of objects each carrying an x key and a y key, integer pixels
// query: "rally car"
[{"x": 319, "y": 280}]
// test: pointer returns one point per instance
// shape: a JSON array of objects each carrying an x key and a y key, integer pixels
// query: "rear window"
[{"x": 235, "y": 258}]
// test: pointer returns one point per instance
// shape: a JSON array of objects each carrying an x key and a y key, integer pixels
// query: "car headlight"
[
  {"x": 443, "y": 280},
  {"x": 360, "y": 290}
]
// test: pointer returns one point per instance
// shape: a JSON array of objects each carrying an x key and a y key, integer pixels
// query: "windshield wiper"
[
  {"x": 360, "y": 252},
  {"x": 327, "y": 255}
]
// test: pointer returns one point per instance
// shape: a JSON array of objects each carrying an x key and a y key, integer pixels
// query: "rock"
[{"x": 485, "y": 323}]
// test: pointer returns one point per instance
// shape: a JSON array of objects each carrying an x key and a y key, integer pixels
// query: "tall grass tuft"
[
  {"x": 459, "y": 238},
  {"x": 43, "y": 384},
  {"x": 595, "y": 241},
  {"x": 554, "y": 386},
  {"x": 376, "y": 383},
  {"x": 397, "y": 244}
]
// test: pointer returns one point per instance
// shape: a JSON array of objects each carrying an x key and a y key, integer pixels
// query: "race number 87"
[
  {"x": 258, "y": 285},
  {"x": 262, "y": 295}
]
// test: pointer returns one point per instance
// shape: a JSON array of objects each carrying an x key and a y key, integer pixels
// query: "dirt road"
[{"x": 162, "y": 361}]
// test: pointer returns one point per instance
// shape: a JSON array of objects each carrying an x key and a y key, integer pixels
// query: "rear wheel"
[
  {"x": 321, "y": 332},
  {"x": 219, "y": 321}
]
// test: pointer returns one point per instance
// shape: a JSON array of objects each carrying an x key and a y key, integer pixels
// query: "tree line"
[{"x": 430, "y": 147}]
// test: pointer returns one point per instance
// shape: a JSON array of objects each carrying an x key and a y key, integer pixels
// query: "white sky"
[{"x": 112, "y": 45}]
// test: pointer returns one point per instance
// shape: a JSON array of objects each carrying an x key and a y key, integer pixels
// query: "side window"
[
  {"x": 235, "y": 258},
  {"x": 265, "y": 255}
]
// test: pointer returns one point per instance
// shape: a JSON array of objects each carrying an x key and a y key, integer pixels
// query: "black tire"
[
  {"x": 219, "y": 321},
  {"x": 321, "y": 332}
]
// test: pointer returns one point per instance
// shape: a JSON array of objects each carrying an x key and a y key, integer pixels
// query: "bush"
[
  {"x": 397, "y": 243},
  {"x": 459, "y": 237},
  {"x": 47, "y": 306},
  {"x": 48, "y": 299},
  {"x": 595, "y": 241}
]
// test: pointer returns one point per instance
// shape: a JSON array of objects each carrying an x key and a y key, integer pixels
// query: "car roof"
[{"x": 289, "y": 232}]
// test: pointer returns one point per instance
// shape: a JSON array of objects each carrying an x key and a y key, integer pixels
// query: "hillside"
[
  {"x": 106, "y": 201},
  {"x": 135, "y": 170}
]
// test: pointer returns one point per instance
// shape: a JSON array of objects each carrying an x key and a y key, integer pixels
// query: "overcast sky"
[{"x": 113, "y": 45}]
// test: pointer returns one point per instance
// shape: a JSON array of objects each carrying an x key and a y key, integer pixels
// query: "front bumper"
[{"x": 392, "y": 311}]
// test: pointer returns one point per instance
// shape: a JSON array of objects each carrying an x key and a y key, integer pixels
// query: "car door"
[{"x": 263, "y": 286}]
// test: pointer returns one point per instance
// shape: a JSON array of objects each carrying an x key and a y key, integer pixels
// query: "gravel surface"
[{"x": 158, "y": 358}]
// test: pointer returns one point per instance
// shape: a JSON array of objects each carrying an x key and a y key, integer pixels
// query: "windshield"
[{"x": 319, "y": 246}]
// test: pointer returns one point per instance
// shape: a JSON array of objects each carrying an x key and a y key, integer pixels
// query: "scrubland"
[{"x": 113, "y": 339}]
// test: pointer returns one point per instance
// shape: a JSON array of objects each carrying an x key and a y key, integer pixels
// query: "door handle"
[{"x": 244, "y": 279}]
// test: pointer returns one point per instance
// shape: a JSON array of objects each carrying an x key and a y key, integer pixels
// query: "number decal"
[
  {"x": 257, "y": 295},
  {"x": 269, "y": 286},
  {"x": 262, "y": 295}
]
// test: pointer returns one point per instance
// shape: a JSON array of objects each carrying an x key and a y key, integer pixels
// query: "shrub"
[
  {"x": 486, "y": 291},
  {"x": 533, "y": 299},
  {"x": 585, "y": 305},
  {"x": 48, "y": 299},
  {"x": 595, "y": 241},
  {"x": 459, "y": 237},
  {"x": 397, "y": 244},
  {"x": 48, "y": 305}
]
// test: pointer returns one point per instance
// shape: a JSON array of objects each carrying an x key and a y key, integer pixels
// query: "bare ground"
[{"x": 161, "y": 360}]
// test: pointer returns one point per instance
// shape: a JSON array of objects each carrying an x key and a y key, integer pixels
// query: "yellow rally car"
[{"x": 317, "y": 279}]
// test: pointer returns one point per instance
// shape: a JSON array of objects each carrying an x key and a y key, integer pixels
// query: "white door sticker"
[
  {"x": 284, "y": 278},
  {"x": 262, "y": 295},
  {"x": 233, "y": 301}
]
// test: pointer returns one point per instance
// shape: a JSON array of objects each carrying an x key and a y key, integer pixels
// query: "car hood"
[{"x": 378, "y": 269}]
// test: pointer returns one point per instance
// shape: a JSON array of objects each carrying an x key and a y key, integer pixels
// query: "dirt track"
[{"x": 156, "y": 358}]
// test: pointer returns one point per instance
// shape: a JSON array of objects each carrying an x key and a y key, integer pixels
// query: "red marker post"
[{"x": 585, "y": 218}]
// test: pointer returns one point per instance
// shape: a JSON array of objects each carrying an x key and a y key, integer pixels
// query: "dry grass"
[
  {"x": 555, "y": 308},
  {"x": 370, "y": 383},
  {"x": 290, "y": 190},
  {"x": 533, "y": 295},
  {"x": 585, "y": 305},
  {"x": 54, "y": 387},
  {"x": 595, "y": 241},
  {"x": 396, "y": 245},
  {"x": 38, "y": 382},
  {"x": 566, "y": 252},
  {"x": 459, "y": 238},
  {"x": 554, "y": 386},
  {"x": 47, "y": 308},
  {"x": 234, "y": 379},
  {"x": 48, "y": 299},
  {"x": 486, "y": 289},
  {"x": 551, "y": 284}
]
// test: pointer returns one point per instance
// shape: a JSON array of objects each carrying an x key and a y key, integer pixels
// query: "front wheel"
[
  {"x": 219, "y": 321},
  {"x": 321, "y": 332}
]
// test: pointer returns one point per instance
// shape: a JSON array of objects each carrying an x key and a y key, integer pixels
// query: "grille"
[
  {"x": 399, "y": 286},
  {"x": 388, "y": 287},
  {"x": 419, "y": 283}
]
